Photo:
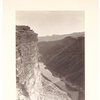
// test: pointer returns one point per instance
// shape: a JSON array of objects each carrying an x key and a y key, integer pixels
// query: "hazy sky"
[{"x": 52, "y": 22}]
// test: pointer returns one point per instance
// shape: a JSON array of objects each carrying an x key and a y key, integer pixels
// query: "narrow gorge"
[{"x": 31, "y": 84}]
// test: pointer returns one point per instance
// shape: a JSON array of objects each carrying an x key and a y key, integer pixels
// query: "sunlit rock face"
[{"x": 30, "y": 84}]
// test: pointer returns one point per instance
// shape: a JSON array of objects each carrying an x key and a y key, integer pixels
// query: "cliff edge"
[{"x": 30, "y": 84}]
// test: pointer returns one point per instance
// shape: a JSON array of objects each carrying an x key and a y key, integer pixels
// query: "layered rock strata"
[{"x": 30, "y": 84}]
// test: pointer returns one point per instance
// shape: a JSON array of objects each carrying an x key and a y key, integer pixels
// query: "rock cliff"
[{"x": 30, "y": 84}]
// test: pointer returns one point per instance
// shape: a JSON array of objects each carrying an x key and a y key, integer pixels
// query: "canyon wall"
[
  {"x": 65, "y": 58},
  {"x": 30, "y": 84}
]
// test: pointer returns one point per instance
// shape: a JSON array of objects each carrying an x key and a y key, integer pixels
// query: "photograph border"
[{"x": 91, "y": 40}]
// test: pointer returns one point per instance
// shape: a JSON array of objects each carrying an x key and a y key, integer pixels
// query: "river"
[{"x": 57, "y": 81}]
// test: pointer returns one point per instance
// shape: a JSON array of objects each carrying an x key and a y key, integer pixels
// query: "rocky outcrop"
[
  {"x": 30, "y": 84},
  {"x": 26, "y": 42}
]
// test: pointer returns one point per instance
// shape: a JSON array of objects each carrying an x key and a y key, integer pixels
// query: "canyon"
[
  {"x": 64, "y": 58},
  {"x": 30, "y": 82}
]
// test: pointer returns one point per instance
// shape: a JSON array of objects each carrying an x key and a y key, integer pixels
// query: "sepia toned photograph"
[{"x": 50, "y": 55}]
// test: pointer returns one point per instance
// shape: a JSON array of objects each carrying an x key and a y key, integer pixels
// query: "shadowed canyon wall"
[{"x": 65, "y": 59}]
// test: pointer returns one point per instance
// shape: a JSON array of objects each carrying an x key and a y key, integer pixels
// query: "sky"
[{"x": 52, "y": 22}]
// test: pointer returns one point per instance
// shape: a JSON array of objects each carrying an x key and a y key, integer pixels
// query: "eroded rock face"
[
  {"x": 26, "y": 41},
  {"x": 30, "y": 84}
]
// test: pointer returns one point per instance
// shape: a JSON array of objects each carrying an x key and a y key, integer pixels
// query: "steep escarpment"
[
  {"x": 26, "y": 42},
  {"x": 30, "y": 84},
  {"x": 65, "y": 59}
]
